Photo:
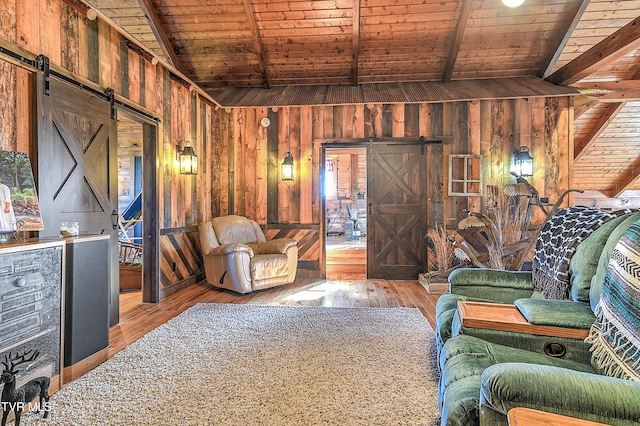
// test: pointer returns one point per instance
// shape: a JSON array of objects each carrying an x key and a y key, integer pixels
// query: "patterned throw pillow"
[{"x": 615, "y": 336}]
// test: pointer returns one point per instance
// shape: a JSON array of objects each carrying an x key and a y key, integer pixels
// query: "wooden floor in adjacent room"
[{"x": 137, "y": 319}]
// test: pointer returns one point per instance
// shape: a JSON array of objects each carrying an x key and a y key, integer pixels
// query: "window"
[{"x": 465, "y": 175}]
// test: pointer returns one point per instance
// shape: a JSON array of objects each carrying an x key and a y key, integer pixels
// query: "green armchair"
[
  {"x": 582, "y": 266},
  {"x": 481, "y": 381}
]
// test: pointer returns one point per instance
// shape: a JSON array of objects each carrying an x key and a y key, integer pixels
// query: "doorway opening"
[
  {"x": 130, "y": 137},
  {"x": 344, "y": 188}
]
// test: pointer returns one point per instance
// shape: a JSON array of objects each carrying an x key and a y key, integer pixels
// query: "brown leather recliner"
[{"x": 238, "y": 257}]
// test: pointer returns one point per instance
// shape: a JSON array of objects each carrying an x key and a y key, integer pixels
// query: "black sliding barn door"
[
  {"x": 396, "y": 211},
  {"x": 77, "y": 167}
]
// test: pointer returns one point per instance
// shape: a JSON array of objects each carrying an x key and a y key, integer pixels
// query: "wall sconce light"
[
  {"x": 286, "y": 173},
  {"x": 523, "y": 162},
  {"x": 188, "y": 159}
]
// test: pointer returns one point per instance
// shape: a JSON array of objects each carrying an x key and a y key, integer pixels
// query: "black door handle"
[
  {"x": 114, "y": 220},
  {"x": 369, "y": 209}
]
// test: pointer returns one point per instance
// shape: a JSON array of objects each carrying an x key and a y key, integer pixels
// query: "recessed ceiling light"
[{"x": 512, "y": 3}]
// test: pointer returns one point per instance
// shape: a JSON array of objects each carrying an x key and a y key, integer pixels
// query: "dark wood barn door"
[
  {"x": 77, "y": 167},
  {"x": 397, "y": 217}
]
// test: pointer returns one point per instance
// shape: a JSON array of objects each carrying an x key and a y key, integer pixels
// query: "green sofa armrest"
[
  {"x": 556, "y": 313},
  {"x": 562, "y": 391},
  {"x": 496, "y": 285}
]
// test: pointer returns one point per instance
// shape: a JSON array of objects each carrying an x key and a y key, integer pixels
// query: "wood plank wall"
[
  {"x": 239, "y": 159},
  {"x": 493, "y": 129}
]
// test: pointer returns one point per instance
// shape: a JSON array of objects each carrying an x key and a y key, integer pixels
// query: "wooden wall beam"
[
  {"x": 617, "y": 45},
  {"x": 596, "y": 130},
  {"x": 272, "y": 168}
]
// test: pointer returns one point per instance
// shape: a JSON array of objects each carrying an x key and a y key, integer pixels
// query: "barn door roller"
[
  {"x": 43, "y": 65},
  {"x": 111, "y": 97}
]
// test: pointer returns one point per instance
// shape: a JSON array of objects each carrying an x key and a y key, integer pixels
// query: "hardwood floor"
[
  {"x": 137, "y": 319},
  {"x": 346, "y": 260},
  {"x": 346, "y": 264}
]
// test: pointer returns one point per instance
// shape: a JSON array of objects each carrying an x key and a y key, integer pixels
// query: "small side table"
[
  {"x": 528, "y": 417},
  {"x": 503, "y": 317}
]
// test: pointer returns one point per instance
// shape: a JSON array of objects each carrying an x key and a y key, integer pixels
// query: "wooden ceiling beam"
[
  {"x": 613, "y": 91},
  {"x": 580, "y": 145},
  {"x": 615, "y": 46},
  {"x": 158, "y": 31},
  {"x": 258, "y": 45},
  {"x": 562, "y": 39},
  {"x": 355, "y": 42},
  {"x": 624, "y": 180},
  {"x": 454, "y": 48},
  {"x": 626, "y": 96}
]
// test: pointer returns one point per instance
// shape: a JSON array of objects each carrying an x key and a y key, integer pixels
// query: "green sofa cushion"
[
  {"x": 556, "y": 313},
  {"x": 584, "y": 262}
]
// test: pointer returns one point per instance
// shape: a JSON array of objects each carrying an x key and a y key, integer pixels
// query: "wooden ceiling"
[{"x": 265, "y": 47}]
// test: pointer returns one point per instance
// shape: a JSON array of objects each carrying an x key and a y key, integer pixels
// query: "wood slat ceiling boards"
[{"x": 299, "y": 52}]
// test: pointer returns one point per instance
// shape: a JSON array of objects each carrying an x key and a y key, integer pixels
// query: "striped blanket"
[{"x": 615, "y": 336}]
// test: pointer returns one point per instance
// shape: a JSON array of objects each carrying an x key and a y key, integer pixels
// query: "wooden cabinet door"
[
  {"x": 396, "y": 211},
  {"x": 77, "y": 167}
]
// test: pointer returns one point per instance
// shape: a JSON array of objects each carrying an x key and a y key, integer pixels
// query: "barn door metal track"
[{"x": 41, "y": 63}]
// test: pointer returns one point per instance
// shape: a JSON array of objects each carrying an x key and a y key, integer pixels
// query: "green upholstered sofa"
[
  {"x": 586, "y": 266},
  {"x": 481, "y": 381}
]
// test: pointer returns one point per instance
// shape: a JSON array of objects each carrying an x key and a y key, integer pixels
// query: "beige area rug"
[{"x": 218, "y": 364}]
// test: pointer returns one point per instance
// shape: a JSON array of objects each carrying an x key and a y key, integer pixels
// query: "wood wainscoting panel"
[
  {"x": 309, "y": 247},
  {"x": 180, "y": 260}
]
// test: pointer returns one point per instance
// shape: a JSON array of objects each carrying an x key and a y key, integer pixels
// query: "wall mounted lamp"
[
  {"x": 523, "y": 162},
  {"x": 286, "y": 173},
  {"x": 188, "y": 159}
]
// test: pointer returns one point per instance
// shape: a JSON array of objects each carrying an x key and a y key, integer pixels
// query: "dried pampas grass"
[
  {"x": 442, "y": 246},
  {"x": 510, "y": 219}
]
